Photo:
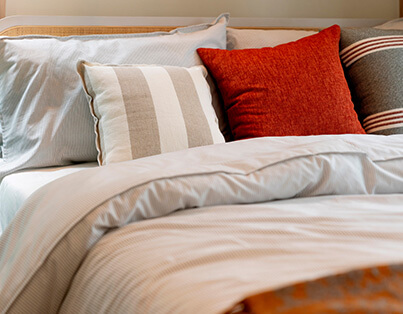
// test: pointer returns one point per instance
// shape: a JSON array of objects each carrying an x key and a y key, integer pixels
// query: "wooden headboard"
[
  {"x": 80, "y": 30},
  {"x": 58, "y": 30},
  {"x": 84, "y": 25}
]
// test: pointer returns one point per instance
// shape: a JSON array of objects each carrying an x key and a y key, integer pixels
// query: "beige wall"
[{"x": 385, "y": 9}]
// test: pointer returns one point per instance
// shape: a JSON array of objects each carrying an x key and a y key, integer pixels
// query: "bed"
[{"x": 157, "y": 173}]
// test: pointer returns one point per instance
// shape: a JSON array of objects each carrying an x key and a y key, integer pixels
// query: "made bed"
[{"x": 252, "y": 184}]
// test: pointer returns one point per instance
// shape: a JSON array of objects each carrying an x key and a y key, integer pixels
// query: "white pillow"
[
  {"x": 393, "y": 24},
  {"x": 256, "y": 38}
]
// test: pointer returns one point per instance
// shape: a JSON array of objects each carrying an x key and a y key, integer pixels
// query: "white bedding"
[
  {"x": 205, "y": 260},
  {"x": 196, "y": 231},
  {"x": 16, "y": 188}
]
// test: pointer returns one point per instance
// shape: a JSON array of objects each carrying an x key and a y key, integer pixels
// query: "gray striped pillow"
[
  {"x": 373, "y": 60},
  {"x": 144, "y": 110}
]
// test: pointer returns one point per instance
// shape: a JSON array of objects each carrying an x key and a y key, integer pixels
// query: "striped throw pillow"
[
  {"x": 373, "y": 60},
  {"x": 144, "y": 110}
]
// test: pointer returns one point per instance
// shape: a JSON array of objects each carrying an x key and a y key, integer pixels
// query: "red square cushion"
[{"x": 293, "y": 89}]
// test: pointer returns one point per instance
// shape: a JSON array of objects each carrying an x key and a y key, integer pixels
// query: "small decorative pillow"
[
  {"x": 259, "y": 38},
  {"x": 144, "y": 110},
  {"x": 373, "y": 59},
  {"x": 293, "y": 89}
]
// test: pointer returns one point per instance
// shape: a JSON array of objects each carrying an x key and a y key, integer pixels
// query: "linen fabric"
[
  {"x": 178, "y": 232},
  {"x": 43, "y": 108},
  {"x": 258, "y": 38},
  {"x": 143, "y": 110},
  {"x": 373, "y": 60},
  {"x": 293, "y": 89}
]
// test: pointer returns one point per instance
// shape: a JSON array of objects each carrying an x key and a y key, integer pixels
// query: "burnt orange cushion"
[{"x": 293, "y": 89}]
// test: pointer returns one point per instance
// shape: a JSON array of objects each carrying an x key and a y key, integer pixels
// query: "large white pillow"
[
  {"x": 43, "y": 108},
  {"x": 257, "y": 38},
  {"x": 393, "y": 24}
]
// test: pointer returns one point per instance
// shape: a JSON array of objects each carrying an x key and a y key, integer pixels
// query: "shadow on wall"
[{"x": 386, "y": 9}]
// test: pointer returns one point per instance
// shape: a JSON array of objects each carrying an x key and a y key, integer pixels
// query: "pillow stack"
[
  {"x": 43, "y": 109},
  {"x": 147, "y": 94}
]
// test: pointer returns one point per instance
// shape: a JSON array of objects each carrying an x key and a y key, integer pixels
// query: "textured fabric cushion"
[
  {"x": 257, "y": 38},
  {"x": 373, "y": 60},
  {"x": 293, "y": 89},
  {"x": 143, "y": 110},
  {"x": 44, "y": 110}
]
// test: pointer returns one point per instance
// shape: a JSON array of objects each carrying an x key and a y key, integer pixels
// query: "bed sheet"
[{"x": 17, "y": 187}]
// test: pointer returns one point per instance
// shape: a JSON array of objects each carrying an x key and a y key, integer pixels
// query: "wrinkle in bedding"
[
  {"x": 16, "y": 188},
  {"x": 37, "y": 274},
  {"x": 205, "y": 260}
]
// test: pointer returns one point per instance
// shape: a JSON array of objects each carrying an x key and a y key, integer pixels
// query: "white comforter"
[{"x": 230, "y": 220}]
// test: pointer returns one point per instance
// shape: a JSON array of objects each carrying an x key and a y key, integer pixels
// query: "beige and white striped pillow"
[{"x": 144, "y": 110}]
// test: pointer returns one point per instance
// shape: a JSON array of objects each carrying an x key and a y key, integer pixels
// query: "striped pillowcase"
[
  {"x": 144, "y": 110},
  {"x": 373, "y": 60}
]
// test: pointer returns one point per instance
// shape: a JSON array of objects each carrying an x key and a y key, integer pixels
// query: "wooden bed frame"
[
  {"x": 68, "y": 25},
  {"x": 84, "y": 25}
]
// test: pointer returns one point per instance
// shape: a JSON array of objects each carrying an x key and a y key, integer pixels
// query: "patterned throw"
[
  {"x": 373, "y": 60},
  {"x": 143, "y": 110},
  {"x": 371, "y": 290}
]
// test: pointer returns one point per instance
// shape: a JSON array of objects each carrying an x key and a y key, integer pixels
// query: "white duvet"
[{"x": 229, "y": 220}]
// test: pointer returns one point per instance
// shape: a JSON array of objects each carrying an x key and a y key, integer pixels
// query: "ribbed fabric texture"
[
  {"x": 49, "y": 254},
  {"x": 293, "y": 89},
  {"x": 148, "y": 110},
  {"x": 43, "y": 108},
  {"x": 373, "y": 59}
]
